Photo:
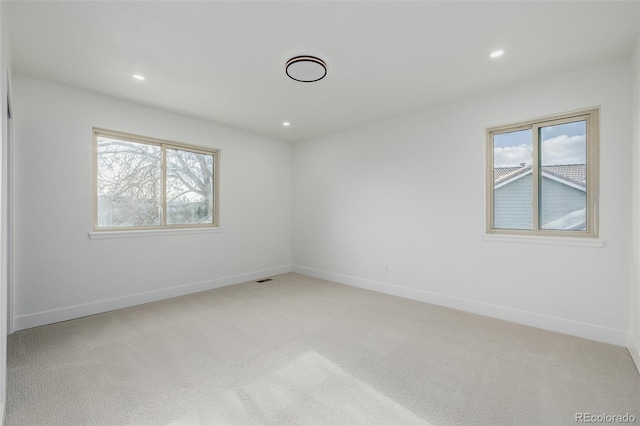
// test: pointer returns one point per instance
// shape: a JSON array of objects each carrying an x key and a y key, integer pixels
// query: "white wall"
[
  {"x": 4, "y": 303},
  {"x": 634, "y": 290},
  {"x": 5, "y": 77},
  {"x": 410, "y": 192},
  {"x": 60, "y": 273}
]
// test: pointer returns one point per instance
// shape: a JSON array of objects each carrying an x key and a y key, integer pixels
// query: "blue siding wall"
[
  {"x": 512, "y": 203},
  {"x": 558, "y": 200}
]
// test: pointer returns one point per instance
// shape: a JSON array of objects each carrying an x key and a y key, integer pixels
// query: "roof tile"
[{"x": 574, "y": 173}]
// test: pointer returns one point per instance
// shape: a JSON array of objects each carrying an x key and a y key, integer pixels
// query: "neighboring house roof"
[
  {"x": 571, "y": 174},
  {"x": 504, "y": 172},
  {"x": 574, "y": 173}
]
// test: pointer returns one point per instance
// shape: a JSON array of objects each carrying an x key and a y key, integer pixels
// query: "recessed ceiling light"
[
  {"x": 306, "y": 69},
  {"x": 497, "y": 53},
  {"x": 138, "y": 77},
  {"x": 286, "y": 124}
]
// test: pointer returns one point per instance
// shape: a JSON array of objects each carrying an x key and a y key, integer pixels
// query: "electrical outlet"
[
  {"x": 210, "y": 266},
  {"x": 385, "y": 268}
]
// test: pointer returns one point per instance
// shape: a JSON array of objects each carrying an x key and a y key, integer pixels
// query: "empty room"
[{"x": 320, "y": 212}]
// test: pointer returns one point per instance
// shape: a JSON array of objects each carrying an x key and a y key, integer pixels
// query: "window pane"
[
  {"x": 563, "y": 177},
  {"x": 189, "y": 187},
  {"x": 512, "y": 186},
  {"x": 129, "y": 183}
]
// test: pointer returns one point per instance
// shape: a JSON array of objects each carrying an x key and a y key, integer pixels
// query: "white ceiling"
[{"x": 224, "y": 61}]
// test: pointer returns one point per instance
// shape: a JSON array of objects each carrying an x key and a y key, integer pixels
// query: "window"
[
  {"x": 543, "y": 176},
  {"x": 143, "y": 183}
]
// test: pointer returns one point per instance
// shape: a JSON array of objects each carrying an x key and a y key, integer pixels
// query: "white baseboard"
[
  {"x": 560, "y": 325},
  {"x": 71, "y": 312},
  {"x": 634, "y": 350}
]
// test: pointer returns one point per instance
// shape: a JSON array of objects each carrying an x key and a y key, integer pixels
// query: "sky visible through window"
[{"x": 560, "y": 144}]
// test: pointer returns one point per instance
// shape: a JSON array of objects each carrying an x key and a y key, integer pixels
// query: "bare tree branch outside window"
[{"x": 130, "y": 185}]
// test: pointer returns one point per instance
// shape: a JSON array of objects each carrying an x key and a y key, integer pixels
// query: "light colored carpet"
[{"x": 298, "y": 350}]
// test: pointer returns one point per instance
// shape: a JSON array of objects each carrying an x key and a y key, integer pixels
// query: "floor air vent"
[{"x": 264, "y": 281}]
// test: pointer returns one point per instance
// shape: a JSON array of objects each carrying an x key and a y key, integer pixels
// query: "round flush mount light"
[
  {"x": 306, "y": 69},
  {"x": 497, "y": 53},
  {"x": 286, "y": 124},
  {"x": 138, "y": 77}
]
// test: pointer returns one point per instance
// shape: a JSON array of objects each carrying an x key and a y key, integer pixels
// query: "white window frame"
[
  {"x": 591, "y": 116},
  {"x": 164, "y": 145}
]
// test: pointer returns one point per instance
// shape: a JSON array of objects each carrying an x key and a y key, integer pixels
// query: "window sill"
[
  {"x": 107, "y": 235},
  {"x": 554, "y": 241}
]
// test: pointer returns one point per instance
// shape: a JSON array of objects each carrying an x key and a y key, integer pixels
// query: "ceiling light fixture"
[
  {"x": 497, "y": 53},
  {"x": 286, "y": 124},
  {"x": 138, "y": 77},
  {"x": 306, "y": 69}
]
